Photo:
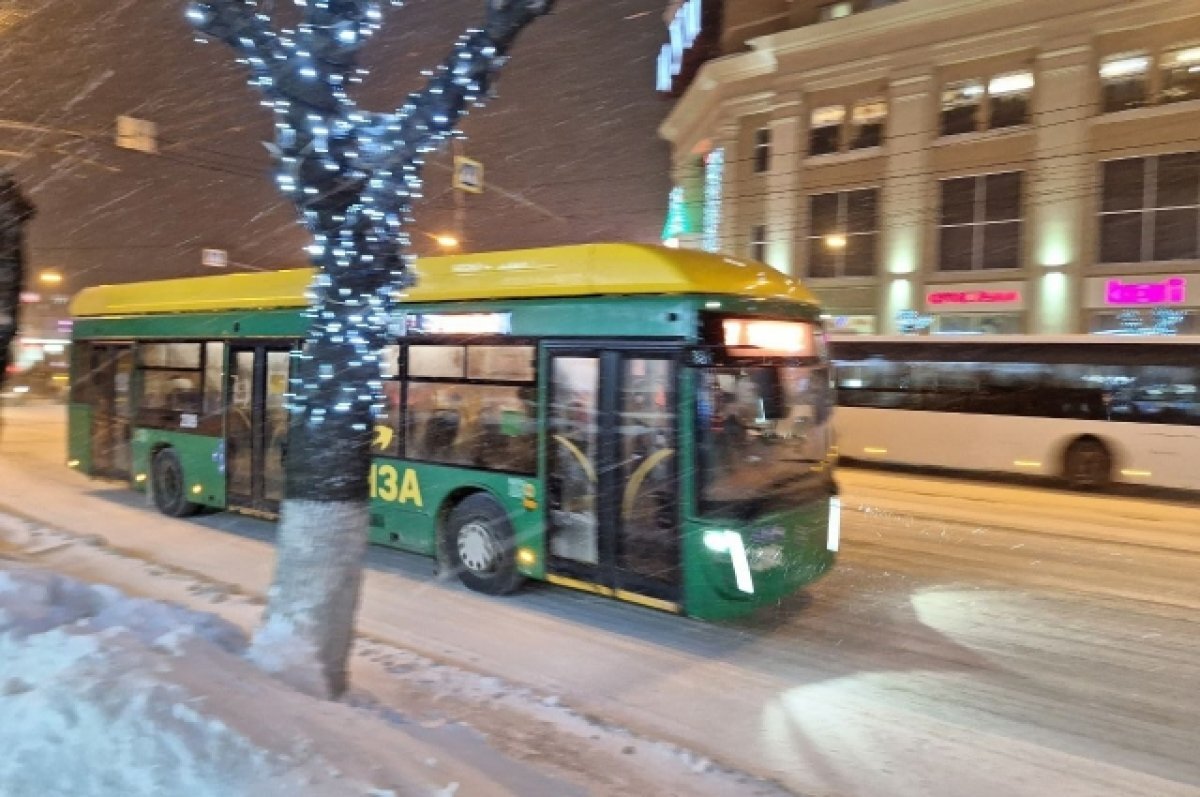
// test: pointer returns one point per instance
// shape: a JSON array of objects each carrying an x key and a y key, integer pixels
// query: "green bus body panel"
[
  {"x": 711, "y": 591},
  {"x": 671, "y": 317},
  {"x": 263, "y": 324},
  {"x": 403, "y": 519},
  {"x": 199, "y": 455},
  {"x": 79, "y": 437}
]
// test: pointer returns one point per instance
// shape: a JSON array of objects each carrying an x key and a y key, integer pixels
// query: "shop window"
[
  {"x": 843, "y": 234},
  {"x": 831, "y": 11},
  {"x": 978, "y": 324},
  {"x": 867, "y": 120},
  {"x": 850, "y": 324},
  {"x": 1150, "y": 209},
  {"x": 1124, "y": 79},
  {"x": 1149, "y": 321},
  {"x": 1008, "y": 99},
  {"x": 825, "y": 132},
  {"x": 762, "y": 150},
  {"x": 758, "y": 243},
  {"x": 980, "y": 222},
  {"x": 1180, "y": 75},
  {"x": 960, "y": 107}
]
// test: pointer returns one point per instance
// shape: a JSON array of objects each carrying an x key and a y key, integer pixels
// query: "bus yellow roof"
[{"x": 586, "y": 270}]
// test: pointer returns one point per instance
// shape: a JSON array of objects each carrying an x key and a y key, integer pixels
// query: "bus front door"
[
  {"x": 111, "y": 369},
  {"x": 256, "y": 425},
  {"x": 612, "y": 478}
]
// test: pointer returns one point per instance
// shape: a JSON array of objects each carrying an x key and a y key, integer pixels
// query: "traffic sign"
[
  {"x": 468, "y": 175},
  {"x": 214, "y": 258}
]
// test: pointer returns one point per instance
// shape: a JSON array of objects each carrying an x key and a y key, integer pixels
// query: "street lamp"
[
  {"x": 447, "y": 242},
  {"x": 835, "y": 241},
  {"x": 50, "y": 278}
]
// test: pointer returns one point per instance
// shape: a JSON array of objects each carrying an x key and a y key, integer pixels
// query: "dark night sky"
[{"x": 572, "y": 131}]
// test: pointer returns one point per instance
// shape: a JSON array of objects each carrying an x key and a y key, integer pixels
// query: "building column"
[
  {"x": 1056, "y": 195},
  {"x": 908, "y": 205},
  {"x": 783, "y": 185}
]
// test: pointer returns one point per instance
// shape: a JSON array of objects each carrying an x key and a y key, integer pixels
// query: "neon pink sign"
[
  {"x": 973, "y": 297},
  {"x": 1172, "y": 290}
]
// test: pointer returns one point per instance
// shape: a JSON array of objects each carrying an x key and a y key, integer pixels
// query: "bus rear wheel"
[
  {"x": 482, "y": 547},
  {"x": 167, "y": 485},
  {"x": 1087, "y": 464}
]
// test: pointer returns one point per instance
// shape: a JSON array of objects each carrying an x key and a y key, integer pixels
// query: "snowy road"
[{"x": 975, "y": 639}]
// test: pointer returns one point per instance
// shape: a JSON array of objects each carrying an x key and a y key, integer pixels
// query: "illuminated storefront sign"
[
  {"x": 1172, "y": 290},
  {"x": 975, "y": 298},
  {"x": 1142, "y": 291},
  {"x": 684, "y": 28}
]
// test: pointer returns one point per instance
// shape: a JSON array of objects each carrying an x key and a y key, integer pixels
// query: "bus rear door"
[{"x": 256, "y": 426}]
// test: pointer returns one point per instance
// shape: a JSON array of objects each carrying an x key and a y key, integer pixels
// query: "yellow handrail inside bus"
[{"x": 562, "y": 271}]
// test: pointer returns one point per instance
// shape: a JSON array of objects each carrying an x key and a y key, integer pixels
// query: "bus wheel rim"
[{"x": 477, "y": 547}]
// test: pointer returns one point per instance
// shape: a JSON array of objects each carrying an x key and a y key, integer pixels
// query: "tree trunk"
[
  {"x": 353, "y": 177},
  {"x": 309, "y": 628},
  {"x": 15, "y": 211},
  {"x": 309, "y": 625}
]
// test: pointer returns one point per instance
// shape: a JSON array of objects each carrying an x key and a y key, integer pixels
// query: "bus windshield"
[{"x": 762, "y": 434}]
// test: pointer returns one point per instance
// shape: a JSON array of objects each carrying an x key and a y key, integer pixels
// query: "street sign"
[
  {"x": 468, "y": 175},
  {"x": 214, "y": 258},
  {"x": 137, "y": 134}
]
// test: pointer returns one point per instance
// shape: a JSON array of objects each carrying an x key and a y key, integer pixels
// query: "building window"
[
  {"x": 1124, "y": 80},
  {"x": 758, "y": 243},
  {"x": 980, "y": 224},
  {"x": 825, "y": 134},
  {"x": 960, "y": 107},
  {"x": 831, "y": 11},
  {"x": 1008, "y": 97},
  {"x": 762, "y": 150},
  {"x": 867, "y": 120},
  {"x": 1181, "y": 75},
  {"x": 843, "y": 232},
  {"x": 1150, "y": 209}
]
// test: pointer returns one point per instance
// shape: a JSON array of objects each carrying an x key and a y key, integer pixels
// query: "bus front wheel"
[
  {"x": 1087, "y": 464},
  {"x": 168, "y": 487},
  {"x": 482, "y": 547}
]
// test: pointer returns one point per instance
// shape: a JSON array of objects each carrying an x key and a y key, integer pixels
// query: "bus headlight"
[
  {"x": 833, "y": 533},
  {"x": 730, "y": 542}
]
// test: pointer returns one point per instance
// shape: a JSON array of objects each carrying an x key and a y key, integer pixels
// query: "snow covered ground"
[{"x": 104, "y": 693}]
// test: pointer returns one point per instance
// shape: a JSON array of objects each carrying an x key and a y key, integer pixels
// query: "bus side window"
[{"x": 441, "y": 431}]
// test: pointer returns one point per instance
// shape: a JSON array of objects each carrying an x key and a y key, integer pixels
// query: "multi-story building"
[{"x": 957, "y": 165}]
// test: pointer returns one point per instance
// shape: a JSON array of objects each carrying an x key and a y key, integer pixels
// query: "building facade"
[{"x": 999, "y": 166}]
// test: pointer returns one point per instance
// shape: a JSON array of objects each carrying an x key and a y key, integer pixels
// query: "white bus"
[{"x": 1089, "y": 410}]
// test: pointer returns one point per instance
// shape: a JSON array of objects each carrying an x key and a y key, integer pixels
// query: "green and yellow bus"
[{"x": 639, "y": 422}]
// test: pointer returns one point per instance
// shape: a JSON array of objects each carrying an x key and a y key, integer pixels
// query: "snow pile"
[{"x": 102, "y": 694}]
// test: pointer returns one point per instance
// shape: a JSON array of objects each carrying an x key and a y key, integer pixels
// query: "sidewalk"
[{"x": 410, "y": 725}]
